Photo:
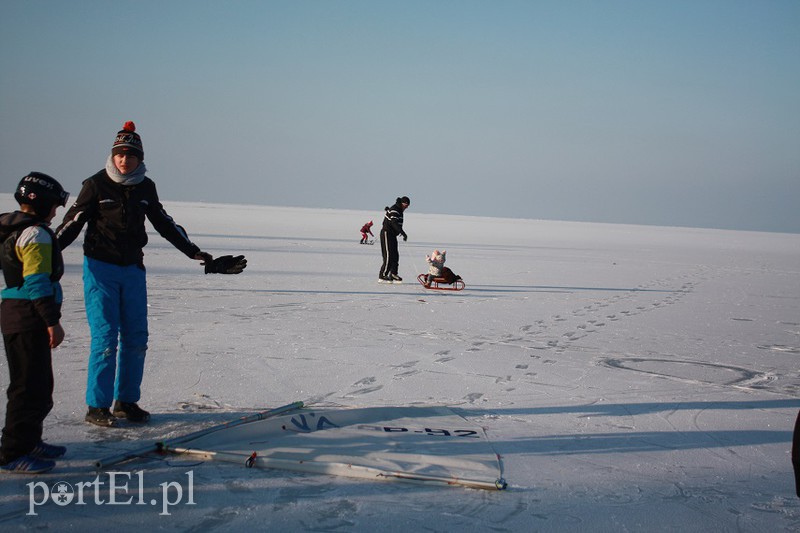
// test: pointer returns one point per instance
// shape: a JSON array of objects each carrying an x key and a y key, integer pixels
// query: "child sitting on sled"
[{"x": 437, "y": 271}]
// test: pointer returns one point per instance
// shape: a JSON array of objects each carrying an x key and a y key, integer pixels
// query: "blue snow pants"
[{"x": 116, "y": 308}]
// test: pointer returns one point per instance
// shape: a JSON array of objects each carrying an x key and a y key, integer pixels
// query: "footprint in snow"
[{"x": 473, "y": 397}]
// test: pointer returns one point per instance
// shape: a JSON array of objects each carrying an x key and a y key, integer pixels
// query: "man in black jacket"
[
  {"x": 114, "y": 204},
  {"x": 392, "y": 227}
]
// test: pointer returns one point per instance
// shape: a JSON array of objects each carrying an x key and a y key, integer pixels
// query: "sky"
[{"x": 679, "y": 113}]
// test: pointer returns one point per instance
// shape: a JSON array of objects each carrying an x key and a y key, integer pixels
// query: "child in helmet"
[
  {"x": 366, "y": 228},
  {"x": 30, "y": 315}
]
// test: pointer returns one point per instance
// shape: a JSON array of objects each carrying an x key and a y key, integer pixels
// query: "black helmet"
[{"x": 41, "y": 192}]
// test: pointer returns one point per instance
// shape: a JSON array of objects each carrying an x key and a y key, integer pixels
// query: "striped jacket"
[
  {"x": 393, "y": 219},
  {"x": 32, "y": 267}
]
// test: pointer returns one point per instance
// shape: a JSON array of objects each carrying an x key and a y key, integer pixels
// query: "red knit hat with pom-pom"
[{"x": 128, "y": 141}]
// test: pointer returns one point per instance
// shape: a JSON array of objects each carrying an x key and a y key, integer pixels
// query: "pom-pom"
[{"x": 129, "y": 126}]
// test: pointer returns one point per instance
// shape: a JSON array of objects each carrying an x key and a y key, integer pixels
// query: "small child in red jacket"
[{"x": 366, "y": 228}]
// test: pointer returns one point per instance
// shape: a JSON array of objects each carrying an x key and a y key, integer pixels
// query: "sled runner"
[{"x": 441, "y": 284}]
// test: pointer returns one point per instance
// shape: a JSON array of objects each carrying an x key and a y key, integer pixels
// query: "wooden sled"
[{"x": 441, "y": 284}]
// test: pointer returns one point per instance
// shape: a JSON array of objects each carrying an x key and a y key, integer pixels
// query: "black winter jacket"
[
  {"x": 115, "y": 215},
  {"x": 393, "y": 219}
]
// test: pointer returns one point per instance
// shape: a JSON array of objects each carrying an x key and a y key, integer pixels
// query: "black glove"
[
  {"x": 226, "y": 264},
  {"x": 405, "y": 237}
]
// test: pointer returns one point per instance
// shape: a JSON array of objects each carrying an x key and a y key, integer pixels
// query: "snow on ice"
[{"x": 631, "y": 378}]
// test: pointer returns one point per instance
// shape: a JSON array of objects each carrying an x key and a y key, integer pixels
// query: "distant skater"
[
  {"x": 392, "y": 227},
  {"x": 366, "y": 229}
]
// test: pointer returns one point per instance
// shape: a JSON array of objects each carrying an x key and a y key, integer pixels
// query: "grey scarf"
[{"x": 133, "y": 178}]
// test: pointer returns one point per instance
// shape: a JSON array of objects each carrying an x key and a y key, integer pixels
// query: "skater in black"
[
  {"x": 30, "y": 315},
  {"x": 392, "y": 227}
]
